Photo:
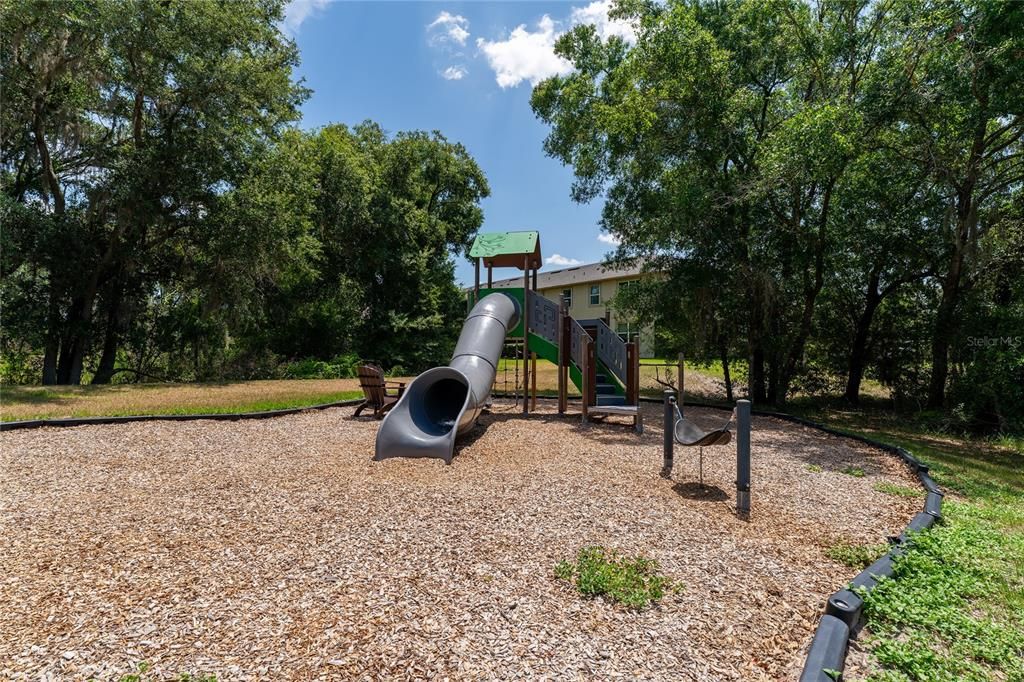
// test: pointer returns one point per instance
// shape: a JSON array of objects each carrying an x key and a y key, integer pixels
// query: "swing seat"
[{"x": 689, "y": 434}]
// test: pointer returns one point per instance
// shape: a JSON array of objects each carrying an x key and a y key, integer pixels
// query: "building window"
[
  {"x": 627, "y": 332},
  {"x": 567, "y": 297},
  {"x": 595, "y": 294},
  {"x": 627, "y": 284}
]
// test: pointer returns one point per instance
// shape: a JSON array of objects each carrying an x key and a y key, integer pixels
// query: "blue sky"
[{"x": 465, "y": 69}]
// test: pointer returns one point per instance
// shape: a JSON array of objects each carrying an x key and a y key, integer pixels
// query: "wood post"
[
  {"x": 490, "y": 281},
  {"x": 476, "y": 280},
  {"x": 565, "y": 353},
  {"x": 636, "y": 369},
  {"x": 585, "y": 374},
  {"x": 631, "y": 374},
  {"x": 591, "y": 395},
  {"x": 526, "y": 334},
  {"x": 533, "y": 380}
]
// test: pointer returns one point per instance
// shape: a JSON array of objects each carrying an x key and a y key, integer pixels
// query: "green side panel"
[
  {"x": 517, "y": 331},
  {"x": 576, "y": 376},
  {"x": 549, "y": 351},
  {"x": 543, "y": 348},
  {"x": 504, "y": 244}
]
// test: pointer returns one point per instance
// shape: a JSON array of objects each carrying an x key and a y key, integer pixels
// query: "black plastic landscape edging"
[
  {"x": 844, "y": 609},
  {"x": 217, "y": 416}
]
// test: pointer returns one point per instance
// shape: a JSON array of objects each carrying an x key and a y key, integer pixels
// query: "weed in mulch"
[
  {"x": 855, "y": 556},
  {"x": 856, "y": 472},
  {"x": 143, "y": 667},
  {"x": 635, "y": 582}
]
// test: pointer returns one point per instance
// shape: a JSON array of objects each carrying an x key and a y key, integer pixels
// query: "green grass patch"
[
  {"x": 634, "y": 582},
  {"x": 898, "y": 490},
  {"x": 814, "y": 468},
  {"x": 855, "y": 556},
  {"x": 142, "y": 670},
  {"x": 955, "y": 605},
  {"x": 856, "y": 472},
  {"x": 236, "y": 407}
]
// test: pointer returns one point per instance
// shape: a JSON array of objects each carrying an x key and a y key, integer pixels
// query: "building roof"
[{"x": 579, "y": 274}]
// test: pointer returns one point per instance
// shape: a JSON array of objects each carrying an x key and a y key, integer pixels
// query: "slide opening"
[{"x": 438, "y": 412}]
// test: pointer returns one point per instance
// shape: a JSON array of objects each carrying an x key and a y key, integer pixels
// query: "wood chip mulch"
[{"x": 275, "y": 549}]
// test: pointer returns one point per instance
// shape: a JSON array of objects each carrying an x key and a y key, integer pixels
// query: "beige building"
[{"x": 590, "y": 292}]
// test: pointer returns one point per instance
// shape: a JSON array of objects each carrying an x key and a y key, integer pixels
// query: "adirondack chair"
[{"x": 378, "y": 391}]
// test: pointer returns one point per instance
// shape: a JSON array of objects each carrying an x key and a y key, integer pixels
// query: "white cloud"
[
  {"x": 556, "y": 259},
  {"x": 525, "y": 55},
  {"x": 298, "y": 11},
  {"x": 454, "y": 73},
  {"x": 449, "y": 27},
  {"x": 596, "y": 13},
  {"x": 609, "y": 239},
  {"x": 530, "y": 55}
]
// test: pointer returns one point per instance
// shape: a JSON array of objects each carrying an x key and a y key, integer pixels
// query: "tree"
[
  {"x": 961, "y": 64},
  {"x": 126, "y": 122},
  {"x": 721, "y": 137},
  {"x": 389, "y": 215}
]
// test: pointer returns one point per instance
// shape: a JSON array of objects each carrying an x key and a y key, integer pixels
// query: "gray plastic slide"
[{"x": 444, "y": 402}]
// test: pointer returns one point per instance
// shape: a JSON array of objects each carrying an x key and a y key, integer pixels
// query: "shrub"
[
  {"x": 597, "y": 571},
  {"x": 340, "y": 367}
]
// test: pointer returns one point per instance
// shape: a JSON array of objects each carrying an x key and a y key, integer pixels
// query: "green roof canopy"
[{"x": 508, "y": 249}]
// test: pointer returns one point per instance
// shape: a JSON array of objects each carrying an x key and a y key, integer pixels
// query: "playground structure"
[{"x": 444, "y": 402}]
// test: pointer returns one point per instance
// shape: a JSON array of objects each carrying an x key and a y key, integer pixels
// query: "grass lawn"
[
  {"x": 955, "y": 607},
  {"x": 49, "y": 402}
]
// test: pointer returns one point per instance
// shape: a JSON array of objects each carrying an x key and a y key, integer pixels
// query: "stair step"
[
  {"x": 605, "y": 389},
  {"x": 602, "y": 378},
  {"x": 611, "y": 399}
]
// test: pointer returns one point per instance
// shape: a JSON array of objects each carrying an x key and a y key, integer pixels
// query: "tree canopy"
[
  {"x": 819, "y": 181},
  {"x": 162, "y": 215}
]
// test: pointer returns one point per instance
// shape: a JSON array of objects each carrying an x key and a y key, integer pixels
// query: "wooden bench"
[{"x": 376, "y": 391}]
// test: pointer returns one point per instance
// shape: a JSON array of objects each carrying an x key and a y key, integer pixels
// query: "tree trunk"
[
  {"x": 52, "y": 346},
  {"x": 105, "y": 370},
  {"x": 76, "y": 339},
  {"x": 812, "y": 287},
  {"x": 945, "y": 318},
  {"x": 859, "y": 349},
  {"x": 723, "y": 352},
  {"x": 941, "y": 341}
]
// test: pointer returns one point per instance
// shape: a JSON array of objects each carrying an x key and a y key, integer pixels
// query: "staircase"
[
  {"x": 608, "y": 393},
  {"x": 612, "y": 364}
]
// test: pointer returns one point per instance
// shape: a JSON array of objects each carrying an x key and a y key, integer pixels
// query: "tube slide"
[{"x": 444, "y": 402}]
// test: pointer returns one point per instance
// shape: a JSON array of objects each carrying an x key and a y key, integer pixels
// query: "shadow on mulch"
[{"x": 692, "y": 490}]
